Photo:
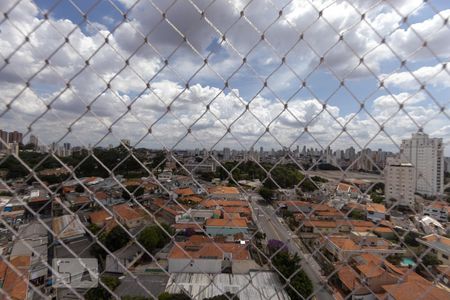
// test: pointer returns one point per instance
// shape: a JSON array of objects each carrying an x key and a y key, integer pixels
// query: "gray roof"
[
  {"x": 255, "y": 285},
  {"x": 155, "y": 283},
  {"x": 126, "y": 255}
]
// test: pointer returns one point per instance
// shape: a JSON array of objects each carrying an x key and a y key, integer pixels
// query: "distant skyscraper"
[
  {"x": 4, "y": 137},
  {"x": 226, "y": 154},
  {"x": 67, "y": 146},
  {"x": 427, "y": 156},
  {"x": 350, "y": 154},
  {"x": 34, "y": 140},
  {"x": 400, "y": 182},
  {"x": 15, "y": 137}
]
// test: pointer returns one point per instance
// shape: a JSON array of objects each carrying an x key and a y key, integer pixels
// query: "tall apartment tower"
[
  {"x": 427, "y": 156},
  {"x": 4, "y": 136},
  {"x": 400, "y": 182},
  {"x": 34, "y": 140},
  {"x": 15, "y": 137}
]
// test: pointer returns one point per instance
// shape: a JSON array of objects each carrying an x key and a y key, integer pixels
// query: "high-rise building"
[
  {"x": 400, "y": 182},
  {"x": 427, "y": 156},
  {"x": 226, "y": 154},
  {"x": 67, "y": 146},
  {"x": 34, "y": 140},
  {"x": 4, "y": 137},
  {"x": 350, "y": 153},
  {"x": 15, "y": 137}
]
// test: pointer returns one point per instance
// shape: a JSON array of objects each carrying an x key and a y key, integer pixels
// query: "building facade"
[
  {"x": 400, "y": 182},
  {"x": 427, "y": 156}
]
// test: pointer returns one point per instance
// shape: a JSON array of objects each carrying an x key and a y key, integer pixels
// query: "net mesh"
[{"x": 200, "y": 149}]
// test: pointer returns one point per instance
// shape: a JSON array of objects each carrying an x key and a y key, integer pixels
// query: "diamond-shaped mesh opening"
[{"x": 224, "y": 150}]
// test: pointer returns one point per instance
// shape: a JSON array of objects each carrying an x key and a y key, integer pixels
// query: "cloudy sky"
[{"x": 214, "y": 74}]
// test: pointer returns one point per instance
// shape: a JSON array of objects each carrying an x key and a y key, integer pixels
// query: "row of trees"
[
  {"x": 117, "y": 159},
  {"x": 300, "y": 286},
  {"x": 152, "y": 237}
]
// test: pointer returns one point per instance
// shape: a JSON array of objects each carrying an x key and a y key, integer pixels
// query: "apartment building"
[
  {"x": 427, "y": 156},
  {"x": 400, "y": 182}
]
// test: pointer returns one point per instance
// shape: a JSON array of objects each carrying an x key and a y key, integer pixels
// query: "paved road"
[{"x": 269, "y": 223}]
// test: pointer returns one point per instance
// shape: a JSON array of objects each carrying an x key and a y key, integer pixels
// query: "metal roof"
[{"x": 255, "y": 285}]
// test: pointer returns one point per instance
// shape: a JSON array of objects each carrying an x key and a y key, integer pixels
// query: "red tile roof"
[
  {"x": 240, "y": 223},
  {"x": 223, "y": 190},
  {"x": 99, "y": 217},
  {"x": 376, "y": 207},
  {"x": 126, "y": 212},
  {"x": 16, "y": 284},
  {"x": 184, "y": 191},
  {"x": 416, "y": 290}
]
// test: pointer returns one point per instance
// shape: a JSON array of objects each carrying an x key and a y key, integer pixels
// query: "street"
[{"x": 272, "y": 225}]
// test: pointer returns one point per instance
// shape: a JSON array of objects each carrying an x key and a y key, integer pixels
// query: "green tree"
[
  {"x": 410, "y": 239},
  {"x": 101, "y": 293},
  {"x": 376, "y": 198},
  {"x": 158, "y": 160},
  {"x": 94, "y": 228},
  {"x": 430, "y": 260},
  {"x": 357, "y": 214},
  {"x": 168, "y": 296},
  {"x": 116, "y": 239},
  {"x": 266, "y": 193},
  {"x": 288, "y": 265},
  {"x": 226, "y": 296},
  {"x": 153, "y": 237}
]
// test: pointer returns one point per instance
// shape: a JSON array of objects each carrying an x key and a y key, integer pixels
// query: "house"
[
  {"x": 439, "y": 211},
  {"x": 384, "y": 232},
  {"x": 347, "y": 190},
  {"x": 67, "y": 227},
  {"x": 415, "y": 289},
  {"x": 319, "y": 227},
  {"x": 184, "y": 192},
  {"x": 128, "y": 215},
  {"x": 15, "y": 281},
  {"x": 196, "y": 216},
  {"x": 226, "y": 226},
  {"x": 375, "y": 212},
  {"x": 32, "y": 242},
  {"x": 243, "y": 212},
  {"x": 167, "y": 210},
  {"x": 440, "y": 246},
  {"x": 342, "y": 248},
  {"x": 123, "y": 259},
  {"x": 201, "y": 255},
  {"x": 101, "y": 218},
  {"x": 370, "y": 276}
]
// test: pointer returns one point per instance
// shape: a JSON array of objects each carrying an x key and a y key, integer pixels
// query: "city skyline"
[{"x": 343, "y": 92}]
